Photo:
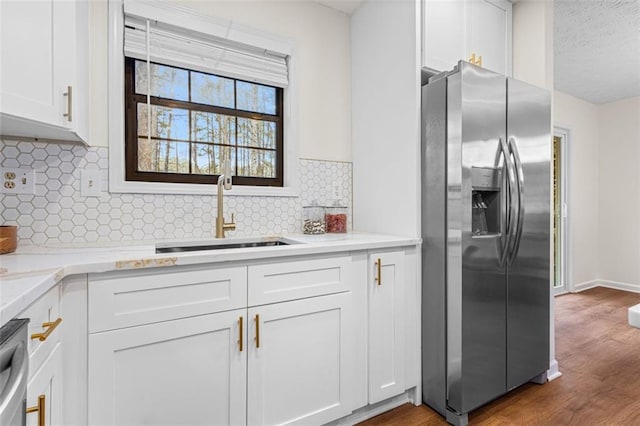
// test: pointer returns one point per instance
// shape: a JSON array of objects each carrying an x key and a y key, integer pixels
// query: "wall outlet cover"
[
  {"x": 90, "y": 185},
  {"x": 17, "y": 181}
]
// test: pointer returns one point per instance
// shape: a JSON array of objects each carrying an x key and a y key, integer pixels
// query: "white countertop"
[{"x": 32, "y": 270}]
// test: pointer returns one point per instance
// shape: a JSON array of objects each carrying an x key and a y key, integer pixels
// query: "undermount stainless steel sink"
[{"x": 182, "y": 247}]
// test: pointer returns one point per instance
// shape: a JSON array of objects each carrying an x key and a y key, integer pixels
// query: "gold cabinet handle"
[
  {"x": 69, "y": 113},
  {"x": 50, "y": 326},
  {"x": 476, "y": 61},
  {"x": 240, "y": 340},
  {"x": 257, "y": 330},
  {"x": 378, "y": 278},
  {"x": 40, "y": 408}
]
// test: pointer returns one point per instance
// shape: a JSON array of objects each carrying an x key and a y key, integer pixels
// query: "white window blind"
[{"x": 181, "y": 47}]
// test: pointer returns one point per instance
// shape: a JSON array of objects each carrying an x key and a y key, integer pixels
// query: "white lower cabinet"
[
  {"x": 187, "y": 371},
  {"x": 44, "y": 392},
  {"x": 265, "y": 343},
  {"x": 300, "y": 357},
  {"x": 386, "y": 325}
]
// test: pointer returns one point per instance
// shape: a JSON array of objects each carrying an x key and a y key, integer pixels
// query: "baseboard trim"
[
  {"x": 577, "y": 288},
  {"x": 373, "y": 410},
  {"x": 616, "y": 285},
  {"x": 634, "y": 288},
  {"x": 553, "y": 372}
]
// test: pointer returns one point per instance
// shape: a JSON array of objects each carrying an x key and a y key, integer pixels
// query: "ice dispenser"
[{"x": 485, "y": 201}]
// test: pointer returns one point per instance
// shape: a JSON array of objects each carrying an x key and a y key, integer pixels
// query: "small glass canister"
[
  {"x": 313, "y": 219},
  {"x": 335, "y": 218}
]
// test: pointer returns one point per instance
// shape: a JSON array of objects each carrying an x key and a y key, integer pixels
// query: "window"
[{"x": 181, "y": 124}]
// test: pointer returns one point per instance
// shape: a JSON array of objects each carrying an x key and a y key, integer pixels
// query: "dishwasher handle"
[{"x": 14, "y": 391}]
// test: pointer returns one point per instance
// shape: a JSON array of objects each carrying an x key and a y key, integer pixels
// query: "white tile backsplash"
[{"x": 58, "y": 214}]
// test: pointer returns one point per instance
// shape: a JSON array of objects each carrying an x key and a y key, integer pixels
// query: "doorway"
[{"x": 560, "y": 225}]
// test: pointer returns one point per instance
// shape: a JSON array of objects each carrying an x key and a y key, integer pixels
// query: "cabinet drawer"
[
  {"x": 118, "y": 300},
  {"x": 296, "y": 279},
  {"x": 44, "y": 310}
]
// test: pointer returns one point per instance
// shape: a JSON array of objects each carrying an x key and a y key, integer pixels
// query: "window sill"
[{"x": 194, "y": 189}]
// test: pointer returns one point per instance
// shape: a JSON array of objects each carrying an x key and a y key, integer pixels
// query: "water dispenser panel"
[{"x": 485, "y": 201}]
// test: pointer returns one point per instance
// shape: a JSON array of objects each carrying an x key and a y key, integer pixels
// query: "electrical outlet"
[
  {"x": 18, "y": 181},
  {"x": 90, "y": 183},
  {"x": 336, "y": 191}
]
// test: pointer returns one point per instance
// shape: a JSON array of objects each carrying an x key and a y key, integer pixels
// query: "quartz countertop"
[{"x": 32, "y": 270}]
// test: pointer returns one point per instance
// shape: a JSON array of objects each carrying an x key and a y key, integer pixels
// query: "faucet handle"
[{"x": 229, "y": 226}]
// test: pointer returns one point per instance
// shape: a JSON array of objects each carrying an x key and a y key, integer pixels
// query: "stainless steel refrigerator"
[{"x": 485, "y": 228}]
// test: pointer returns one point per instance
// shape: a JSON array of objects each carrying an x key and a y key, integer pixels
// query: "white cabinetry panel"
[
  {"x": 188, "y": 371},
  {"x": 490, "y": 35},
  {"x": 445, "y": 33},
  {"x": 300, "y": 372},
  {"x": 44, "y": 51},
  {"x": 462, "y": 29},
  {"x": 46, "y": 383},
  {"x": 295, "y": 279},
  {"x": 386, "y": 325},
  {"x": 142, "y": 297}
]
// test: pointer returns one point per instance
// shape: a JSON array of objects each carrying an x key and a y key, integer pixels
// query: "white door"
[
  {"x": 301, "y": 354},
  {"x": 560, "y": 225},
  {"x": 44, "y": 392},
  {"x": 386, "y": 320},
  {"x": 190, "y": 371}
]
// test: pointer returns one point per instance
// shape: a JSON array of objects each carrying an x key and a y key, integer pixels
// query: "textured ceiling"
[{"x": 597, "y": 49}]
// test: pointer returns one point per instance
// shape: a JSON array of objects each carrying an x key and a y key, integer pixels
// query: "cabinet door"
[
  {"x": 444, "y": 33},
  {"x": 489, "y": 34},
  {"x": 188, "y": 371},
  {"x": 31, "y": 55},
  {"x": 44, "y": 51},
  {"x": 301, "y": 354},
  {"x": 44, "y": 392},
  {"x": 386, "y": 325}
]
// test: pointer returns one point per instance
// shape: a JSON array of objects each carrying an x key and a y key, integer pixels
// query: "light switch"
[{"x": 90, "y": 185}]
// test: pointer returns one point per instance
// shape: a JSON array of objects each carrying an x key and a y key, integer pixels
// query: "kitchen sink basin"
[{"x": 183, "y": 247}]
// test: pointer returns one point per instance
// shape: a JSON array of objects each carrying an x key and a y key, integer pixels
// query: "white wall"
[
  {"x": 619, "y": 201},
  {"x": 321, "y": 37},
  {"x": 581, "y": 118},
  {"x": 386, "y": 117},
  {"x": 533, "y": 42}
]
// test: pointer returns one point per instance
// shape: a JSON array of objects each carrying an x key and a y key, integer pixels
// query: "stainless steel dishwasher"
[{"x": 14, "y": 371}]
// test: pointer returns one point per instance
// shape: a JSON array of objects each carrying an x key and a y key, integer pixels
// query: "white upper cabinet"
[
  {"x": 477, "y": 31},
  {"x": 44, "y": 76}
]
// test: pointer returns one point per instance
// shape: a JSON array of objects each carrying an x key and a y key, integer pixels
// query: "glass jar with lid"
[
  {"x": 335, "y": 218},
  {"x": 313, "y": 219}
]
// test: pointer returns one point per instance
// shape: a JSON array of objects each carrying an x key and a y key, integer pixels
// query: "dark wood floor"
[{"x": 599, "y": 357}]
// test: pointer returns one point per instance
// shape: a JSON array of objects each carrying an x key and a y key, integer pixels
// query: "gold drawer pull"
[
  {"x": 40, "y": 409},
  {"x": 50, "y": 326},
  {"x": 257, "y": 331},
  {"x": 378, "y": 278},
  {"x": 240, "y": 321},
  {"x": 69, "y": 95}
]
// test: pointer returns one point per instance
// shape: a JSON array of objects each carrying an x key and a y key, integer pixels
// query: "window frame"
[
  {"x": 218, "y": 27},
  {"x": 132, "y": 99}
]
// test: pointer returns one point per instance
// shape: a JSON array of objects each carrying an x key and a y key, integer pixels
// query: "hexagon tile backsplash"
[{"x": 58, "y": 214}]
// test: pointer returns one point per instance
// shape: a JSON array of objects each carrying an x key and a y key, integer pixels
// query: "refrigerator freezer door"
[
  {"x": 528, "y": 283},
  {"x": 476, "y": 285}
]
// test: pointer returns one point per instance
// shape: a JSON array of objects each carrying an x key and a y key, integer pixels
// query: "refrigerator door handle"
[
  {"x": 509, "y": 212},
  {"x": 513, "y": 150}
]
